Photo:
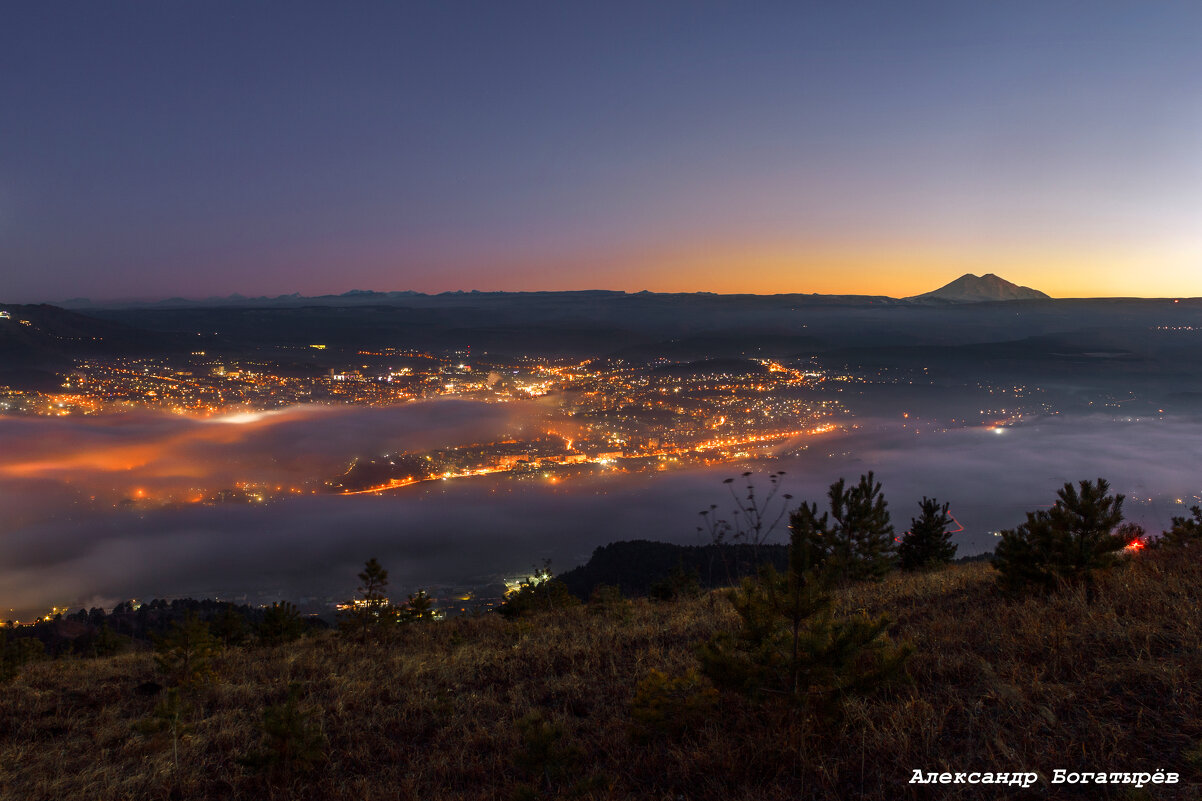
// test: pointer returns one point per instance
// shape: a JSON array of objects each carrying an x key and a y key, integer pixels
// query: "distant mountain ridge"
[
  {"x": 969, "y": 288},
  {"x": 362, "y": 297}
]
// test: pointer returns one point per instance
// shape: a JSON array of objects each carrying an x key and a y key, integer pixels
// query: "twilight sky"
[{"x": 150, "y": 149}]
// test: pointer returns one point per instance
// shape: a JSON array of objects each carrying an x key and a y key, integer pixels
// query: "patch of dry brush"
[{"x": 541, "y": 707}]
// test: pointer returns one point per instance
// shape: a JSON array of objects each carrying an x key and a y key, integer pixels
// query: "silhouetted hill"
[
  {"x": 359, "y": 297},
  {"x": 37, "y": 340},
  {"x": 635, "y": 566},
  {"x": 969, "y": 288}
]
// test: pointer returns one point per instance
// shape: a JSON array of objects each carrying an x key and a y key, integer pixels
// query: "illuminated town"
[
  {"x": 595, "y": 415},
  {"x": 601, "y": 415}
]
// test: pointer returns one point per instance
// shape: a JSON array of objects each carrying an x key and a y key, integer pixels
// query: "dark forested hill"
[{"x": 636, "y": 566}]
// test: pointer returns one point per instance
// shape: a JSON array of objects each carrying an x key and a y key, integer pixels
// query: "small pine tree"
[
  {"x": 107, "y": 642},
  {"x": 419, "y": 607},
  {"x": 229, "y": 626},
  {"x": 608, "y": 600},
  {"x": 1186, "y": 532},
  {"x": 1133, "y": 534},
  {"x": 371, "y": 614},
  {"x": 680, "y": 583},
  {"x": 1065, "y": 544},
  {"x": 855, "y": 538},
  {"x": 929, "y": 540},
  {"x": 374, "y": 578},
  {"x": 292, "y": 740},
  {"x": 183, "y": 653},
  {"x": 17, "y": 652},
  {"x": 281, "y": 623},
  {"x": 671, "y": 706},
  {"x": 790, "y": 645},
  {"x": 169, "y": 716},
  {"x": 547, "y": 755}
]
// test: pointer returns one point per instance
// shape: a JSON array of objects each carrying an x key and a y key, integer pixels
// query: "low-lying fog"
[{"x": 64, "y": 541}]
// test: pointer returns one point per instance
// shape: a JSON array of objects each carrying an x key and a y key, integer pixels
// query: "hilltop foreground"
[{"x": 541, "y": 707}]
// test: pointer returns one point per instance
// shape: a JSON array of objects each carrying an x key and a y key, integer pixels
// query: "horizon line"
[{"x": 83, "y": 301}]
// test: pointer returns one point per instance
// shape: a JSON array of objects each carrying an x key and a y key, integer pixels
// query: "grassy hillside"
[{"x": 542, "y": 707}]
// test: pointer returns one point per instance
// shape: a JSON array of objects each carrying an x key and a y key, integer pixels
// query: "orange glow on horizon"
[{"x": 896, "y": 268}]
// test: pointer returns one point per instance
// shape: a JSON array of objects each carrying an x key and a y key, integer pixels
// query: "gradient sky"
[{"x": 151, "y": 149}]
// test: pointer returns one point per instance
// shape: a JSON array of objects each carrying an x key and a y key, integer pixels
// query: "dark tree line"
[{"x": 94, "y": 632}]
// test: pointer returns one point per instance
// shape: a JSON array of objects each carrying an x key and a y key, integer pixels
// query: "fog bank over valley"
[{"x": 77, "y": 532}]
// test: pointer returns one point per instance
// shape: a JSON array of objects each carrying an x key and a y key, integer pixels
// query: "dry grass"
[{"x": 443, "y": 710}]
